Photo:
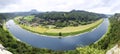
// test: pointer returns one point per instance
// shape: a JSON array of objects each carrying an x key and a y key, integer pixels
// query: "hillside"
[
  {"x": 101, "y": 47},
  {"x": 61, "y": 19},
  {"x": 66, "y": 23}
]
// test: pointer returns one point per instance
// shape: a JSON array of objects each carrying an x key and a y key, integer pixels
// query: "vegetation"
[
  {"x": 17, "y": 47},
  {"x": 89, "y": 50},
  {"x": 61, "y": 19},
  {"x": 28, "y": 18},
  {"x": 64, "y": 31},
  {"x": 66, "y": 23},
  {"x": 108, "y": 41},
  {"x": 113, "y": 37}
]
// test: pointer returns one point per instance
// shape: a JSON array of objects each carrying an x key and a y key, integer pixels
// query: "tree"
[{"x": 60, "y": 34}]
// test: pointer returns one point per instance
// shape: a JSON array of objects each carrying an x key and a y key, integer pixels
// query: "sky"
[{"x": 97, "y": 6}]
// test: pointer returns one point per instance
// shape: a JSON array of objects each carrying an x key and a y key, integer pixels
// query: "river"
[{"x": 65, "y": 43}]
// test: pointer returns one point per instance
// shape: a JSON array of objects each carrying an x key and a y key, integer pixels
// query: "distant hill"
[
  {"x": 14, "y": 14},
  {"x": 33, "y": 11},
  {"x": 63, "y": 19}
]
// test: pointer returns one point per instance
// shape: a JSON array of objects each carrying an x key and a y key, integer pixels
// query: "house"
[{"x": 34, "y": 24}]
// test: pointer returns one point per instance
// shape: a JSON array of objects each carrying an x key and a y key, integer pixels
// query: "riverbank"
[
  {"x": 17, "y": 47},
  {"x": 110, "y": 39},
  {"x": 66, "y": 31},
  {"x": 108, "y": 31},
  {"x": 54, "y": 43}
]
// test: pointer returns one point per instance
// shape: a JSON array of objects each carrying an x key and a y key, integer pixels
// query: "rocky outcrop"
[
  {"x": 114, "y": 50},
  {"x": 3, "y": 50}
]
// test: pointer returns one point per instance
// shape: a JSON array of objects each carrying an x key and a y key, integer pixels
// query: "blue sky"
[{"x": 98, "y": 6}]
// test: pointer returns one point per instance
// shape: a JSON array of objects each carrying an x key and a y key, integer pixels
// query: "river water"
[{"x": 65, "y": 43}]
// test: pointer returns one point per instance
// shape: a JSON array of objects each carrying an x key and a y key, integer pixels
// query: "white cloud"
[{"x": 99, "y": 6}]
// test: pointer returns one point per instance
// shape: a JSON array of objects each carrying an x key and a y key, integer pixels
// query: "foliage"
[
  {"x": 89, "y": 50},
  {"x": 112, "y": 37},
  {"x": 28, "y": 18},
  {"x": 108, "y": 41},
  {"x": 63, "y": 19},
  {"x": 65, "y": 31}
]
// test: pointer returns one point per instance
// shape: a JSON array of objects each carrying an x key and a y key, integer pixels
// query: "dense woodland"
[
  {"x": 113, "y": 35},
  {"x": 63, "y": 19},
  {"x": 109, "y": 40},
  {"x": 18, "y": 47}
]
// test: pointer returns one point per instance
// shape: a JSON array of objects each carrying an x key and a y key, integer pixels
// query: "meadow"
[{"x": 70, "y": 30}]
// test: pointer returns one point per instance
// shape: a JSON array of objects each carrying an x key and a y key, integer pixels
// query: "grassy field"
[
  {"x": 74, "y": 29},
  {"x": 29, "y": 18},
  {"x": 65, "y": 31}
]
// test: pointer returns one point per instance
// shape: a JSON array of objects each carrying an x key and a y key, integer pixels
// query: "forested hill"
[
  {"x": 72, "y": 15},
  {"x": 3, "y": 16},
  {"x": 7, "y": 16},
  {"x": 59, "y": 19},
  {"x": 11, "y": 15},
  {"x": 117, "y": 15},
  {"x": 62, "y": 19}
]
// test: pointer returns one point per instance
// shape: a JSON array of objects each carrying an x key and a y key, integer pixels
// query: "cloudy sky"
[{"x": 98, "y": 6}]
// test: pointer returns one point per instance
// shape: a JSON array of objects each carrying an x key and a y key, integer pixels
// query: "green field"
[{"x": 65, "y": 30}]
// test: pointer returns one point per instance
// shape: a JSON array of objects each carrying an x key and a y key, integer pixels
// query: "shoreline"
[
  {"x": 108, "y": 31},
  {"x": 88, "y": 30}
]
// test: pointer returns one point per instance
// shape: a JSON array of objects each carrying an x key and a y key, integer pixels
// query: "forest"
[
  {"x": 109, "y": 40},
  {"x": 62, "y": 19},
  {"x": 65, "y": 23}
]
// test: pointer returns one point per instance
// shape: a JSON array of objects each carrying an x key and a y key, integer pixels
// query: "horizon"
[
  {"x": 49, "y": 11},
  {"x": 96, "y": 6}
]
